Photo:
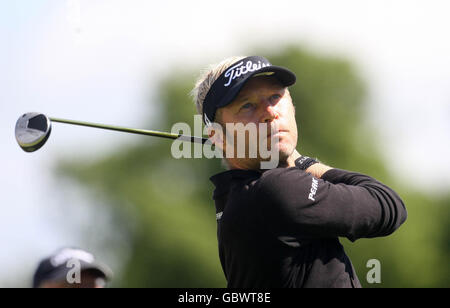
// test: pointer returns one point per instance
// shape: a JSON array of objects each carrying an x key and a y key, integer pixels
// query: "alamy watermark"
[
  {"x": 374, "y": 274},
  {"x": 74, "y": 273},
  {"x": 235, "y": 140}
]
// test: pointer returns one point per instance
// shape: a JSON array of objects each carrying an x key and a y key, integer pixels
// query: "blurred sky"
[{"x": 100, "y": 60}]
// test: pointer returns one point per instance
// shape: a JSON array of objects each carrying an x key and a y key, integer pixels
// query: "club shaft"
[{"x": 133, "y": 130}]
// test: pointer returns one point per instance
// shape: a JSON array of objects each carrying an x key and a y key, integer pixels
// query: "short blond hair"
[{"x": 207, "y": 78}]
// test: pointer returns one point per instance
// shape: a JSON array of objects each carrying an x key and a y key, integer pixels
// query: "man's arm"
[{"x": 340, "y": 203}]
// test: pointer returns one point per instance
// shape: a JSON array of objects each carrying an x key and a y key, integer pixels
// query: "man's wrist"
[
  {"x": 304, "y": 162},
  {"x": 312, "y": 166}
]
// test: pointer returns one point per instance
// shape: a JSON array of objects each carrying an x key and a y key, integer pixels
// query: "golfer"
[{"x": 280, "y": 227}]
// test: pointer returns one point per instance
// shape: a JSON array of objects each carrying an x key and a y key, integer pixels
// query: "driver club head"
[{"x": 32, "y": 131}]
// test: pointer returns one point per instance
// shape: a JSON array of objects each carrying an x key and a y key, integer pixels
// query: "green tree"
[{"x": 163, "y": 208}]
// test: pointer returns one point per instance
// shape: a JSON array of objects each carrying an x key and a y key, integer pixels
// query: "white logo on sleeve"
[{"x": 314, "y": 186}]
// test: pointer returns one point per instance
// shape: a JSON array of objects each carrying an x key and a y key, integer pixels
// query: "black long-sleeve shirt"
[{"x": 280, "y": 227}]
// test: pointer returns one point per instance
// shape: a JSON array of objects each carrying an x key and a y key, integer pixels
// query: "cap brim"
[{"x": 285, "y": 76}]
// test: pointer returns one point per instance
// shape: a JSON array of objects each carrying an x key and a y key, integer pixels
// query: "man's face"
[{"x": 263, "y": 100}]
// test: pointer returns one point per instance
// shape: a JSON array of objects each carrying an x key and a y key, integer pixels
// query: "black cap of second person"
[
  {"x": 225, "y": 89},
  {"x": 57, "y": 266}
]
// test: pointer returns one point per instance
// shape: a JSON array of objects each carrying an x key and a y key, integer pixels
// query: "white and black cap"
[
  {"x": 225, "y": 89},
  {"x": 57, "y": 266}
]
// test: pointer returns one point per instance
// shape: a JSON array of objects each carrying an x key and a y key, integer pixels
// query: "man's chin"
[{"x": 284, "y": 151}]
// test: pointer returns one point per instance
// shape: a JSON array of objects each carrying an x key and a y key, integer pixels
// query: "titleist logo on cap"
[{"x": 242, "y": 69}]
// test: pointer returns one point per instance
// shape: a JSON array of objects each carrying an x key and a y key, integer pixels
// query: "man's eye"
[
  {"x": 246, "y": 106},
  {"x": 275, "y": 97}
]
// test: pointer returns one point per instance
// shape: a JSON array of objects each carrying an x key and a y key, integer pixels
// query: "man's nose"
[{"x": 269, "y": 112}]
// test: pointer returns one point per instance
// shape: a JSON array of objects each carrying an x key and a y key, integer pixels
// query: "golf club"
[{"x": 33, "y": 129}]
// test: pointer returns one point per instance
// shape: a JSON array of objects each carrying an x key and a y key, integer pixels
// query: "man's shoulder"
[
  {"x": 270, "y": 183},
  {"x": 275, "y": 176},
  {"x": 283, "y": 176}
]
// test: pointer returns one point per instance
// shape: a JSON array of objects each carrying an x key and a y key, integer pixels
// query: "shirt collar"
[
  {"x": 227, "y": 176},
  {"x": 223, "y": 179}
]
